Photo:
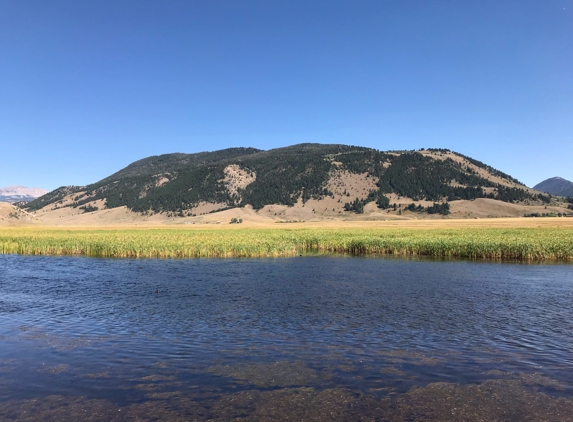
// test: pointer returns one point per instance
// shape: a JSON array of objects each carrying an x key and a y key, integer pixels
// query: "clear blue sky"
[{"x": 88, "y": 86}]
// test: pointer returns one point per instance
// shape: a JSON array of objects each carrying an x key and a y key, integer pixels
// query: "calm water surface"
[{"x": 229, "y": 339}]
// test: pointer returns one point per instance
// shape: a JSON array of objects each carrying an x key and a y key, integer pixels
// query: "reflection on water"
[{"x": 308, "y": 338}]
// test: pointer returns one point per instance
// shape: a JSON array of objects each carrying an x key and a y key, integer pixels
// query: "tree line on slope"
[{"x": 283, "y": 176}]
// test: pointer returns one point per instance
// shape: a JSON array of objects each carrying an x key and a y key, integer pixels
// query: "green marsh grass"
[{"x": 506, "y": 243}]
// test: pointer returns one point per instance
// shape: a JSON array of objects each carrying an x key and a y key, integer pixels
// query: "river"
[{"x": 305, "y": 338}]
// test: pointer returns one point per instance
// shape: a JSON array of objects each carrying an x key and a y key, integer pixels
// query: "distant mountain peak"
[
  {"x": 555, "y": 186},
  {"x": 17, "y": 193}
]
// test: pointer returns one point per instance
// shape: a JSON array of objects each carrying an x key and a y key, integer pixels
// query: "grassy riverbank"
[{"x": 498, "y": 243}]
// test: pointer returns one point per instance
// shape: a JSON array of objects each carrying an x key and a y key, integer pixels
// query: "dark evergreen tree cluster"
[
  {"x": 89, "y": 208},
  {"x": 357, "y": 206},
  {"x": 167, "y": 163},
  {"x": 55, "y": 196},
  {"x": 287, "y": 174},
  {"x": 364, "y": 160},
  {"x": 544, "y": 198},
  {"x": 489, "y": 169},
  {"x": 436, "y": 208},
  {"x": 422, "y": 177},
  {"x": 503, "y": 193},
  {"x": 443, "y": 209},
  {"x": 546, "y": 214},
  {"x": 382, "y": 201},
  {"x": 415, "y": 208}
]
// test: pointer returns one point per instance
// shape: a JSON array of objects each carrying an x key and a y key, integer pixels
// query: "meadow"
[{"x": 488, "y": 243}]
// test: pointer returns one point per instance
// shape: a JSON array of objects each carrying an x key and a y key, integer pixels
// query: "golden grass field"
[{"x": 514, "y": 239}]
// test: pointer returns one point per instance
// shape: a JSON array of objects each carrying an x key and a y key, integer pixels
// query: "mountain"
[
  {"x": 567, "y": 192},
  {"x": 555, "y": 186},
  {"x": 337, "y": 177},
  {"x": 14, "y": 194}
]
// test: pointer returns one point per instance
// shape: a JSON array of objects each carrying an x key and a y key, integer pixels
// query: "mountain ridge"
[
  {"x": 342, "y": 178},
  {"x": 17, "y": 193},
  {"x": 556, "y": 186}
]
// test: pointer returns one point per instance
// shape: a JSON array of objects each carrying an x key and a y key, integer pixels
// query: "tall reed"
[{"x": 517, "y": 244}]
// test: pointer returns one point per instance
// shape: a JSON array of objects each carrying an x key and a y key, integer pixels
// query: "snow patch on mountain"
[{"x": 20, "y": 193}]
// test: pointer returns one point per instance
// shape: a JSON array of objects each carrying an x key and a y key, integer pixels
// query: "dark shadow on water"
[{"x": 492, "y": 400}]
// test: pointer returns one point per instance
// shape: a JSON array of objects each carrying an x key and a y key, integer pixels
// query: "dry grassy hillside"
[
  {"x": 312, "y": 212},
  {"x": 307, "y": 182},
  {"x": 11, "y": 215}
]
